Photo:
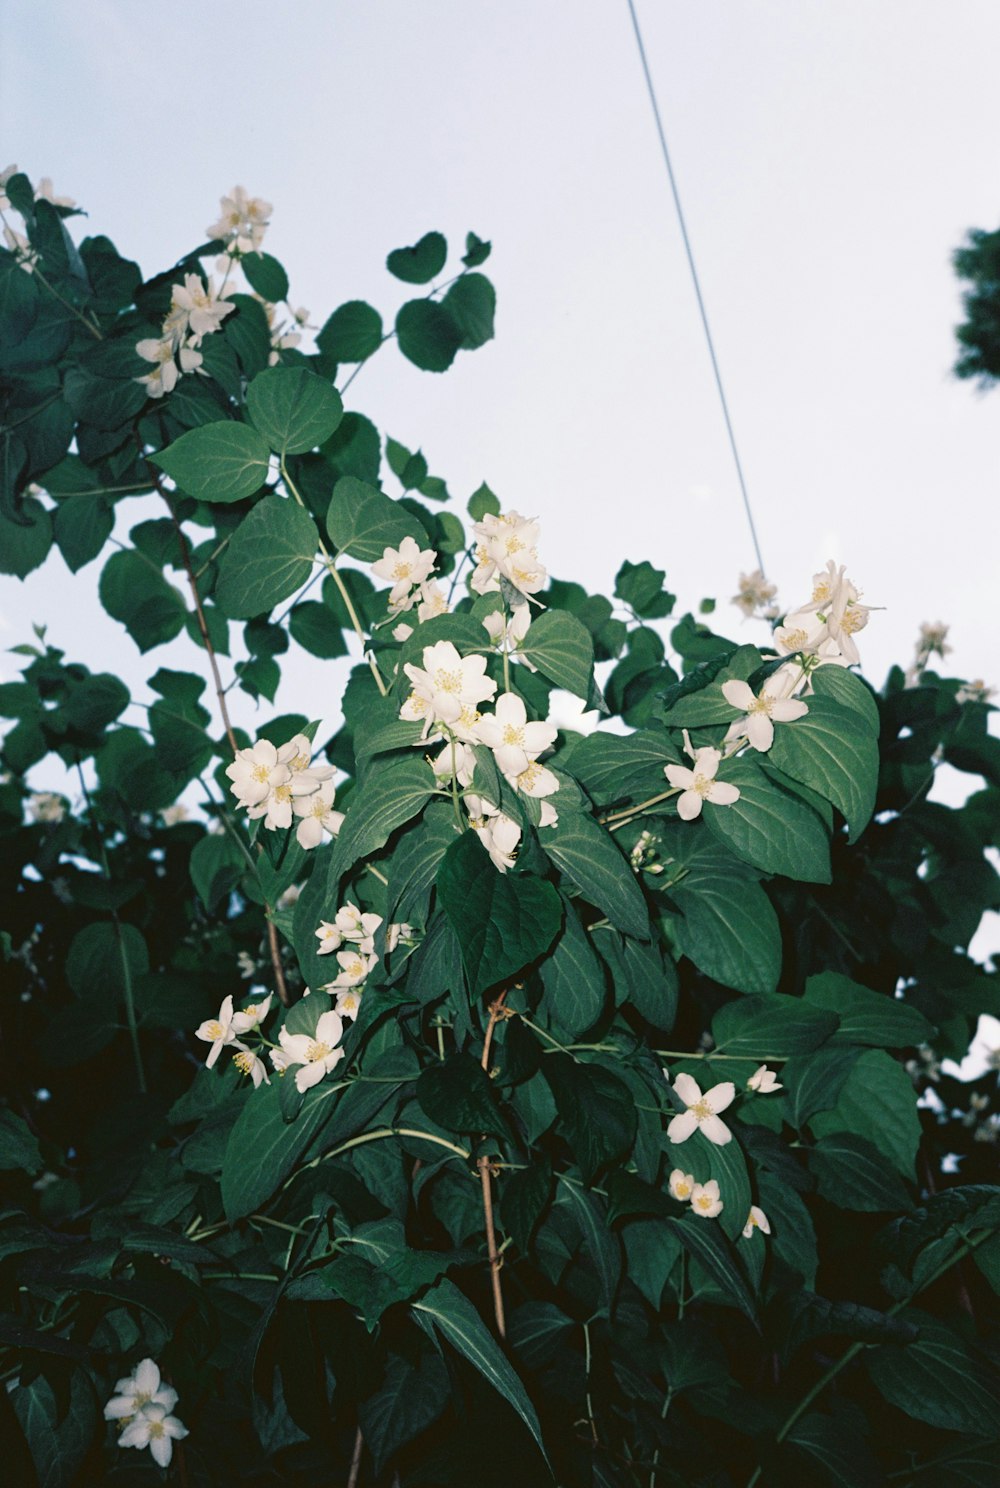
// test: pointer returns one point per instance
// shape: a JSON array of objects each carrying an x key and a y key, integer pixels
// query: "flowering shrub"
[{"x": 485, "y": 1095}]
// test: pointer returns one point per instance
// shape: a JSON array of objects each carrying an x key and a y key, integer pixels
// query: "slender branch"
[
  {"x": 69, "y": 306},
  {"x": 622, "y": 816},
  {"x": 497, "y": 1013},
  {"x": 355, "y": 1473},
  {"x": 335, "y": 574}
]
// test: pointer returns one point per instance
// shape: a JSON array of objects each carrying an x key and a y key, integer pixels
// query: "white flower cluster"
[
  {"x": 18, "y": 244},
  {"x": 823, "y": 630},
  {"x": 283, "y": 337},
  {"x": 506, "y": 549},
  {"x": 702, "y": 1114},
  {"x": 446, "y": 693},
  {"x": 355, "y": 931},
  {"x": 46, "y": 806},
  {"x": 142, "y": 1406},
  {"x": 196, "y": 311},
  {"x": 228, "y": 1028},
  {"x": 408, "y": 569},
  {"x": 698, "y": 783},
  {"x": 277, "y": 783},
  {"x": 243, "y": 221},
  {"x": 706, "y": 1201},
  {"x": 756, "y": 596}
]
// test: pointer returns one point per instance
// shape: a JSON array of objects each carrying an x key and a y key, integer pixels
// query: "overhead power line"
[{"x": 697, "y": 284}]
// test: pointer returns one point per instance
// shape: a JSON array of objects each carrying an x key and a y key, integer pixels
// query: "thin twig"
[
  {"x": 497, "y": 1013},
  {"x": 355, "y": 1473}
]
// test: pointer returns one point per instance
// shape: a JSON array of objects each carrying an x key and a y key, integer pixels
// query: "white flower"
[
  {"x": 297, "y": 754},
  {"x": 396, "y": 932},
  {"x": 507, "y": 547},
  {"x": 764, "y": 1081},
  {"x": 217, "y": 1031},
  {"x": 317, "y": 1055},
  {"x": 246, "y": 964},
  {"x": 756, "y": 1220},
  {"x": 44, "y": 192},
  {"x": 681, "y": 1185},
  {"x": 497, "y": 832},
  {"x": 198, "y": 306},
  {"x": 22, "y": 250},
  {"x": 455, "y": 759},
  {"x": 348, "y": 1003},
  {"x": 249, "y": 1019},
  {"x": 317, "y": 816},
  {"x": 404, "y": 567},
  {"x": 515, "y": 742},
  {"x": 699, "y": 784},
  {"x": 154, "y": 1429},
  {"x": 46, "y": 806},
  {"x": 536, "y": 780},
  {"x": 402, "y": 632},
  {"x": 163, "y": 378},
  {"x": 836, "y": 612},
  {"x": 330, "y": 938},
  {"x": 934, "y": 638},
  {"x": 433, "y": 601},
  {"x": 247, "y": 1062},
  {"x": 705, "y": 1199},
  {"x": 445, "y": 685},
  {"x": 755, "y": 595},
  {"x": 139, "y": 1390},
  {"x": 355, "y": 966},
  {"x": 243, "y": 220},
  {"x": 702, "y": 1112},
  {"x": 357, "y": 927},
  {"x": 172, "y": 815},
  {"x": 801, "y": 631},
  {"x": 974, "y": 692},
  {"x": 5, "y": 176},
  {"x": 509, "y": 634},
  {"x": 762, "y": 710}
]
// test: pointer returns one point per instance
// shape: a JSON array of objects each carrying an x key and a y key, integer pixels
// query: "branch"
[{"x": 497, "y": 1013}]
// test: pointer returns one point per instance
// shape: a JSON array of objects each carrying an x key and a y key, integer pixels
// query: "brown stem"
[
  {"x": 355, "y": 1473},
  {"x": 497, "y": 1013},
  {"x": 274, "y": 946}
]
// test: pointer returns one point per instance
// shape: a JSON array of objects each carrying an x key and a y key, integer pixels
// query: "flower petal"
[
  {"x": 722, "y": 794},
  {"x": 689, "y": 805},
  {"x": 681, "y": 1127},
  {"x": 716, "y": 1131},
  {"x": 688, "y": 1089},
  {"x": 738, "y": 695}
]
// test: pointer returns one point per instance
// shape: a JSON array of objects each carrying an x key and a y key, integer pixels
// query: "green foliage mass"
[{"x": 464, "y": 1255}]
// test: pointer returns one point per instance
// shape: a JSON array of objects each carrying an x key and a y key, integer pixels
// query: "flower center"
[
  {"x": 448, "y": 681},
  {"x": 244, "y": 1062},
  {"x": 701, "y": 1110},
  {"x": 417, "y": 705},
  {"x": 702, "y": 786},
  {"x": 156, "y": 1428},
  {"x": 300, "y": 762},
  {"x": 402, "y": 570},
  {"x": 283, "y": 793},
  {"x": 682, "y": 1190},
  {"x": 319, "y": 809},
  {"x": 528, "y": 777},
  {"x": 704, "y": 1202},
  {"x": 354, "y": 968},
  {"x": 317, "y": 1051},
  {"x": 761, "y": 704},
  {"x": 513, "y": 735},
  {"x": 215, "y": 1030},
  {"x": 795, "y": 639},
  {"x": 821, "y": 591},
  {"x": 854, "y": 619},
  {"x": 260, "y": 773},
  {"x": 142, "y": 1399},
  {"x": 513, "y": 545}
]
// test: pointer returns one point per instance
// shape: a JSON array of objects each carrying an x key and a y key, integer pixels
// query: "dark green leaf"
[
  {"x": 833, "y": 751},
  {"x": 294, "y": 409},
  {"x": 269, "y": 556},
  {"x": 456, "y": 1094},
  {"x": 393, "y": 793},
  {"x": 363, "y": 521},
  {"x": 867, "y": 1017},
  {"x": 591, "y": 860},
  {"x": 352, "y": 333},
  {"x": 770, "y": 1027},
  {"x": 471, "y": 302},
  {"x": 596, "y": 1109},
  {"x": 421, "y": 263},
  {"x": 771, "y": 828},
  {"x": 266, "y": 275},
  {"x": 562, "y": 650},
  {"x": 935, "y": 1379},
  {"x": 428, "y": 336},
  {"x": 218, "y": 462},
  {"x": 852, "y": 1174}
]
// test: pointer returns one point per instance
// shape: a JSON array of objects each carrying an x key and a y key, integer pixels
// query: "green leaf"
[
  {"x": 457, "y": 1095},
  {"x": 878, "y": 1100},
  {"x": 471, "y": 302},
  {"x": 596, "y": 1109},
  {"x": 266, "y": 275},
  {"x": 317, "y": 630},
  {"x": 294, "y": 409},
  {"x": 94, "y": 963},
  {"x": 643, "y": 977},
  {"x": 482, "y": 503},
  {"x": 560, "y": 646},
  {"x": 845, "y": 1458},
  {"x": 134, "y": 591},
  {"x": 225, "y": 461},
  {"x": 269, "y": 556},
  {"x": 24, "y": 544},
  {"x": 428, "y": 336},
  {"x": 851, "y": 1173},
  {"x": 393, "y": 793},
  {"x": 703, "y": 1239},
  {"x": 18, "y": 1144},
  {"x": 455, "y": 1318},
  {"x": 503, "y": 921},
  {"x": 620, "y": 767},
  {"x": 728, "y": 927},
  {"x": 217, "y": 865},
  {"x": 82, "y": 524},
  {"x": 770, "y": 1027},
  {"x": 867, "y": 1017},
  {"x": 407, "y": 1402},
  {"x": 640, "y": 585},
  {"x": 588, "y": 855},
  {"x": 573, "y": 979},
  {"x": 848, "y": 689},
  {"x": 813, "y": 1082},
  {"x": 363, "y": 521},
  {"x": 96, "y": 701},
  {"x": 771, "y": 828},
  {"x": 697, "y": 699},
  {"x": 523, "y": 1197},
  {"x": 421, "y": 263},
  {"x": 834, "y": 753},
  {"x": 935, "y": 1379},
  {"x": 352, "y": 333},
  {"x": 601, "y": 1246}
]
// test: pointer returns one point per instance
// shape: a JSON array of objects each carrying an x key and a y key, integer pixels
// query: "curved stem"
[
  {"x": 622, "y": 816},
  {"x": 497, "y": 1013}
]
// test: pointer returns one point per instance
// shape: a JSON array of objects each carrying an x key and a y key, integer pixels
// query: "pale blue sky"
[{"x": 830, "y": 157}]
